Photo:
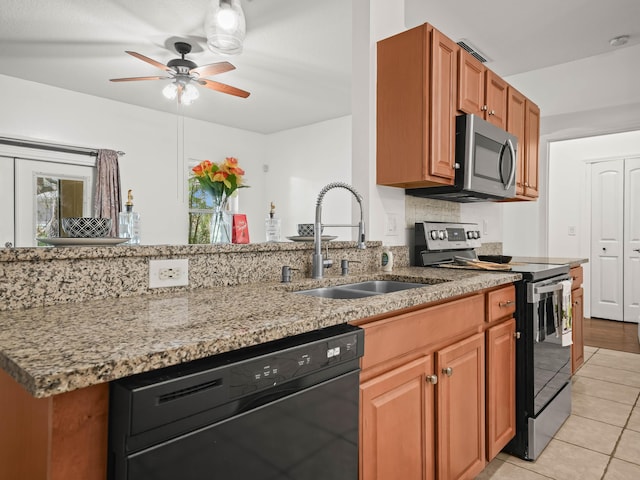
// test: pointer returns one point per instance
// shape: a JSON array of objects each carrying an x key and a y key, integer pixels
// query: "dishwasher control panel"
[{"x": 279, "y": 367}]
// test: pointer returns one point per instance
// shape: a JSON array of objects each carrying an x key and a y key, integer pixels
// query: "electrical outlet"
[{"x": 168, "y": 273}]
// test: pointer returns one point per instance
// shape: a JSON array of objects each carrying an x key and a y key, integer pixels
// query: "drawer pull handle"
[
  {"x": 433, "y": 379},
  {"x": 447, "y": 371},
  {"x": 506, "y": 304}
]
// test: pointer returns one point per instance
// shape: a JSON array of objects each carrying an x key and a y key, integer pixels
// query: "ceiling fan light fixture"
[
  {"x": 189, "y": 94},
  {"x": 225, "y": 27},
  {"x": 170, "y": 91}
]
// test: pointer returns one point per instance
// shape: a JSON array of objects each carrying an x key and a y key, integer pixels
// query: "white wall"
[
  {"x": 570, "y": 188},
  {"x": 159, "y": 146},
  {"x": 300, "y": 162}
]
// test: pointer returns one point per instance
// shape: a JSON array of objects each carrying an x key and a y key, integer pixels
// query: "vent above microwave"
[{"x": 475, "y": 52}]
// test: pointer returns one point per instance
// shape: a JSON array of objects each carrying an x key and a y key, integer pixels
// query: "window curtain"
[{"x": 107, "y": 201}]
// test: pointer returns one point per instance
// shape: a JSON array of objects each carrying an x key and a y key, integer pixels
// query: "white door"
[
  {"x": 607, "y": 228},
  {"x": 40, "y": 198},
  {"x": 632, "y": 240}
]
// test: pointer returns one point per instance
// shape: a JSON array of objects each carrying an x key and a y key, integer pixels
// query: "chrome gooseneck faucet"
[{"x": 319, "y": 262}]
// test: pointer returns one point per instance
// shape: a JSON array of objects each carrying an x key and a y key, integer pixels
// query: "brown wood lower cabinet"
[
  {"x": 437, "y": 389},
  {"x": 62, "y": 437},
  {"x": 397, "y": 423},
  {"x": 501, "y": 386},
  {"x": 460, "y": 409},
  {"x": 577, "y": 331}
]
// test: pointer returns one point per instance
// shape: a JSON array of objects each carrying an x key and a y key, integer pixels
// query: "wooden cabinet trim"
[
  {"x": 501, "y": 386},
  {"x": 577, "y": 277}
]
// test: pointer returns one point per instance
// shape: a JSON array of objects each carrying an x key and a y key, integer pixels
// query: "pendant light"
[{"x": 225, "y": 27}]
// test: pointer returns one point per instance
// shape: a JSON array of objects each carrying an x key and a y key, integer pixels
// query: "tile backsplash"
[{"x": 420, "y": 209}]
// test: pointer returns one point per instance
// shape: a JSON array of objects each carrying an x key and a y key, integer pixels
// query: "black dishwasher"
[{"x": 283, "y": 410}]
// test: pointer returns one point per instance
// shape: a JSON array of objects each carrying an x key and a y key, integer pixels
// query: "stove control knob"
[
  {"x": 442, "y": 234},
  {"x": 434, "y": 234},
  {"x": 477, "y": 234},
  {"x": 469, "y": 234}
]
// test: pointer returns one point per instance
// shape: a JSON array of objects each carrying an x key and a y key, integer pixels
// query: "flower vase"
[{"x": 221, "y": 224}]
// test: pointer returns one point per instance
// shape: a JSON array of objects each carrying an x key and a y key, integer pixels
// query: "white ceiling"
[{"x": 297, "y": 57}]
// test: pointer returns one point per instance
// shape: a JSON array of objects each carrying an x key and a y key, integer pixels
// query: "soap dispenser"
[
  {"x": 129, "y": 222},
  {"x": 272, "y": 225}
]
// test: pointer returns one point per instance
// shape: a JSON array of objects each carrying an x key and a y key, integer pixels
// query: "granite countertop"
[
  {"x": 60, "y": 348},
  {"x": 572, "y": 262}
]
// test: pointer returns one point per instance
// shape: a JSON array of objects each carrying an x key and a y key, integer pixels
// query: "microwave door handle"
[{"x": 512, "y": 174}]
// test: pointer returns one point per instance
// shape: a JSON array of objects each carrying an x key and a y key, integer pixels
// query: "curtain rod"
[{"x": 52, "y": 146}]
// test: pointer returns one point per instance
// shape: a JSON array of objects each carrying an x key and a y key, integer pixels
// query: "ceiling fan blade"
[
  {"x": 135, "y": 79},
  {"x": 212, "y": 69},
  {"x": 221, "y": 87},
  {"x": 150, "y": 61}
]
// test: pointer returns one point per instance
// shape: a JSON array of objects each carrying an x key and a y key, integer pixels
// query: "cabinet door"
[
  {"x": 402, "y": 106},
  {"x": 516, "y": 114},
  {"x": 501, "y": 386},
  {"x": 577, "y": 347},
  {"x": 444, "y": 52},
  {"x": 460, "y": 418},
  {"x": 398, "y": 424},
  {"x": 470, "y": 84},
  {"x": 496, "y": 100},
  {"x": 532, "y": 141}
]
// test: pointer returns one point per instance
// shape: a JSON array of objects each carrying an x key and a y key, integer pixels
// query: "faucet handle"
[
  {"x": 344, "y": 265},
  {"x": 286, "y": 273}
]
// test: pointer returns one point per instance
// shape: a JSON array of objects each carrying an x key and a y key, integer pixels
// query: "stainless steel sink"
[{"x": 361, "y": 289}]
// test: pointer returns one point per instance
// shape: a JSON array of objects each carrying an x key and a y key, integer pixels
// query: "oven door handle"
[{"x": 547, "y": 289}]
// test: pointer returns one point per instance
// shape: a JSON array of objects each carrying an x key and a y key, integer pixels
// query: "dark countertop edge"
[
  {"x": 55, "y": 382},
  {"x": 27, "y": 254}
]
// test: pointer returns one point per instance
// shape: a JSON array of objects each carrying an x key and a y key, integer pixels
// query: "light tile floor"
[{"x": 601, "y": 438}]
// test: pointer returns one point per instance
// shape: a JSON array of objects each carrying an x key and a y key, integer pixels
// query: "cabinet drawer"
[
  {"x": 401, "y": 334},
  {"x": 501, "y": 303},
  {"x": 576, "y": 277}
]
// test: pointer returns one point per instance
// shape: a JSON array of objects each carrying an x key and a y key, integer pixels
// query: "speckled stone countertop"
[
  {"x": 572, "y": 262},
  {"x": 59, "y": 348}
]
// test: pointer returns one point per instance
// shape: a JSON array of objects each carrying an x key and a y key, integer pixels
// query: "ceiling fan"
[{"x": 184, "y": 74}]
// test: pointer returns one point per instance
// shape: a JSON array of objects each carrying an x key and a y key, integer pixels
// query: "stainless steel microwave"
[{"x": 485, "y": 164}]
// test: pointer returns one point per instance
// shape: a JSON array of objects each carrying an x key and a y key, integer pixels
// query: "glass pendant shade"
[
  {"x": 189, "y": 94},
  {"x": 170, "y": 91},
  {"x": 225, "y": 27}
]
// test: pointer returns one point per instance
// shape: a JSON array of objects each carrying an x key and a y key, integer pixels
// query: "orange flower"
[{"x": 220, "y": 179}]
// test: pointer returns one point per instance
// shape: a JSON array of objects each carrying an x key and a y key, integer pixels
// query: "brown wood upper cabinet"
[
  {"x": 416, "y": 108},
  {"x": 480, "y": 91}
]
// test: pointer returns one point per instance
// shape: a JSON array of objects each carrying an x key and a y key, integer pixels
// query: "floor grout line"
[{"x": 615, "y": 447}]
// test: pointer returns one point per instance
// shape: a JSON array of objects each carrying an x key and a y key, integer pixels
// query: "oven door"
[{"x": 551, "y": 360}]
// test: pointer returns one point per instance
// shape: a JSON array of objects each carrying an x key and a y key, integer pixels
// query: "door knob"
[
  {"x": 433, "y": 379},
  {"x": 447, "y": 371},
  {"x": 516, "y": 335}
]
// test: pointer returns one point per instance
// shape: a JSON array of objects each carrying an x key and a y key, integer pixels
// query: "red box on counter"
[{"x": 240, "y": 229}]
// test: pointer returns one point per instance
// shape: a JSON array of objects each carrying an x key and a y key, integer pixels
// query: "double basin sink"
[{"x": 363, "y": 289}]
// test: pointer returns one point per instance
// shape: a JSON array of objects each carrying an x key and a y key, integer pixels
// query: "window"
[{"x": 200, "y": 211}]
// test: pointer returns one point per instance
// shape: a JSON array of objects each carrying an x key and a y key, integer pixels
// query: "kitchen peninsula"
[{"x": 58, "y": 355}]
